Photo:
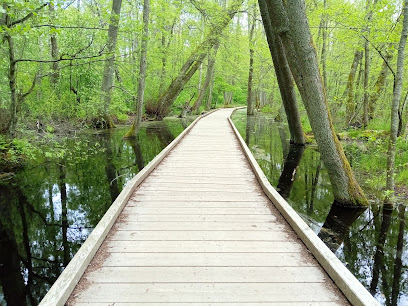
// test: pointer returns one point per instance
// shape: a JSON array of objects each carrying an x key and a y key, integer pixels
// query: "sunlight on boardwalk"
[{"x": 199, "y": 229}]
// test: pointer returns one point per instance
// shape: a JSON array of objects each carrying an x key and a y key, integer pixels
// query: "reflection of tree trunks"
[
  {"x": 22, "y": 201},
  {"x": 285, "y": 144},
  {"x": 379, "y": 253},
  {"x": 249, "y": 128},
  {"x": 11, "y": 279},
  {"x": 337, "y": 224},
  {"x": 314, "y": 185},
  {"x": 162, "y": 132},
  {"x": 398, "y": 259},
  {"x": 287, "y": 177},
  {"x": 110, "y": 171},
  {"x": 134, "y": 143},
  {"x": 64, "y": 215}
]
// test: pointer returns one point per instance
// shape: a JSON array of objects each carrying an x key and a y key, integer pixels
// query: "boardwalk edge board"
[
  {"x": 66, "y": 282},
  {"x": 355, "y": 292}
]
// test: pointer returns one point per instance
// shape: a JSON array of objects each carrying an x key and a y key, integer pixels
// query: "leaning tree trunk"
[
  {"x": 395, "y": 102},
  {"x": 194, "y": 61},
  {"x": 251, "y": 27},
  {"x": 11, "y": 126},
  {"x": 107, "y": 80},
  {"x": 284, "y": 77},
  {"x": 142, "y": 73},
  {"x": 291, "y": 24},
  {"x": 379, "y": 85},
  {"x": 348, "y": 94},
  {"x": 208, "y": 77}
]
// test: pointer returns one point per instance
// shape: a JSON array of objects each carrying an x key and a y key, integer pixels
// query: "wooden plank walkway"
[{"x": 199, "y": 229}]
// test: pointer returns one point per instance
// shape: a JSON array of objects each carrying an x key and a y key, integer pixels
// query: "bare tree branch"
[{"x": 29, "y": 15}]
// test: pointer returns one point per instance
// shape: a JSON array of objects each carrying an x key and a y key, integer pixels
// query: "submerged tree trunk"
[
  {"x": 396, "y": 101},
  {"x": 292, "y": 26},
  {"x": 194, "y": 61},
  {"x": 251, "y": 27},
  {"x": 107, "y": 80},
  {"x": 142, "y": 74},
  {"x": 284, "y": 77},
  {"x": 208, "y": 77}
]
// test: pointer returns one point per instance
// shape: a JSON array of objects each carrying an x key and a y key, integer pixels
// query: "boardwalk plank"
[
  {"x": 210, "y": 292},
  {"x": 204, "y": 246},
  {"x": 202, "y": 235},
  {"x": 117, "y": 275},
  {"x": 252, "y": 259}
]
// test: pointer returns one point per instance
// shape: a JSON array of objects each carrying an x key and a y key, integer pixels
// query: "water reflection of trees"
[{"x": 50, "y": 207}]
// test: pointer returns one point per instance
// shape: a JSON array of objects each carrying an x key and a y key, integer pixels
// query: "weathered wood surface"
[{"x": 199, "y": 229}]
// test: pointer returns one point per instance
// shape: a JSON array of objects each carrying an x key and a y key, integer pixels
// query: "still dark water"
[
  {"x": 49, "y": 207},
  {"x": 372, "y": 243}
]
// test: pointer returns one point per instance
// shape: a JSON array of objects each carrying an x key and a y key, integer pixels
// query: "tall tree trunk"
[
  {"x": 402, "y": 124},
  {"x": 366, "y": 79},
  {"x": 396, "y": 101},
  {"x": 54, "y": 50},
  {"x": 348, "y": 94},
  {"x": 251, "y": 28},
  {"x": 367, "y": 62},
  {"x": 323, "y": 58},
  {"x": 11, "y": 126},
  {"x": 107, "y": 80},
  {"x": 208, "y": 77},
  {"x": 142, "y": 73},
  {"x": 379, "y": 85},
  {"x": 284, "y": 77},
  {"x": 291, "y": 24},
  {"x": 194, "y": 61}
]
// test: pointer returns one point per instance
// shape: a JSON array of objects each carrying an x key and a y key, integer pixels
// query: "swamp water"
[
  {"x": 49, "y": 207},
  {"x": 371, "y": 243}
]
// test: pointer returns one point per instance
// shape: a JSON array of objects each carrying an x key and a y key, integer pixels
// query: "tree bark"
[
  {"x": 107, "y": 80},
  {"x": 402, "y": 124},
  {"x": 395, "y": 102},
  {"x": 194, "y": 60},
  {"x": 142, "y": 73},
  {"x": 379, "y": 85},
  {"x": 208, "y": 77},
  {"x": 291, "y": 24},
  {"x": 284, "y": 77},
  {"x": 323, "y": 58},
  {"x": 54, "y": 50},
  {"x": 366, "y": 79},
  {"x": 348, "y": 94},
  {"x": 11, "y": 126},
  {"x": 251, "y": 28}
]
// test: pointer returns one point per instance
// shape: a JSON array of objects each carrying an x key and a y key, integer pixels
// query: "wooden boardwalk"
[{"x": 200, "y": 230}]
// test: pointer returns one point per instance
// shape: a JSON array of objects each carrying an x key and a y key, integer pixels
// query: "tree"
[
  {"x": 7, "y": 23},
  {"x": 251, "y": 27},
  {"x": 396, "y": 101},
  {"x": 142, "y": 73},
  {"x": 193, "y": 62},
  {"x": 284, "y": 77},
  {"x": 107, "y": 80},
  {"x": 291, "y": 24}
]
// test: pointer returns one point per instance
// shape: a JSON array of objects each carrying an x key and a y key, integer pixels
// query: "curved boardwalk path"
[{"x": 199, "y": 229}]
